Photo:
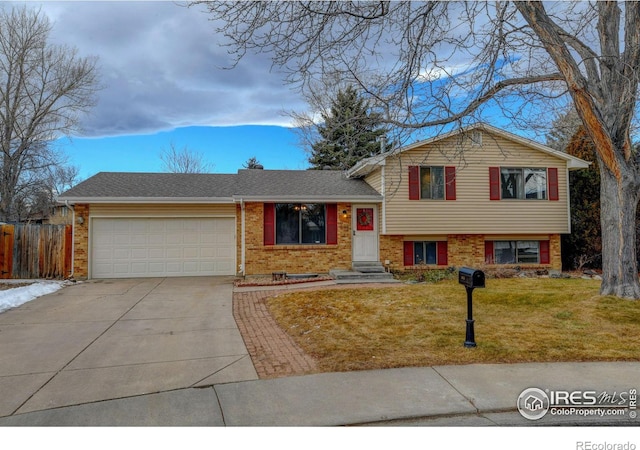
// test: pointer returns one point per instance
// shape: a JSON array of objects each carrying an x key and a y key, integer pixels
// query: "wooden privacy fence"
[{"x": 35, "y": 251}]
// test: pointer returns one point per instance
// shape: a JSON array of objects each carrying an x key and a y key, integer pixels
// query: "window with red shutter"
[
  {"x": 442, "y": 253},
  {"x": 545, "y": 255},
  {"x": 450, "y": 183},
  {"x": 552, "y": 179},
  {"x": 332, "y": 224},
  {"x": 408, "y": 253},
  {"x": 488, "y": 252},
  {"x": 494, "y": 183},
  {"x": 414, "y": 183},
  {"x": 269, "y": 226}
]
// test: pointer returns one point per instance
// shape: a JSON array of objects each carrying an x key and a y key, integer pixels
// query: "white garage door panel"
[{"x": 139, "y": 247}]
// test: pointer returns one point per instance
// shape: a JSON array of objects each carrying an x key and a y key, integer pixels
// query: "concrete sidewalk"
[{"x": 471, "y": 395}]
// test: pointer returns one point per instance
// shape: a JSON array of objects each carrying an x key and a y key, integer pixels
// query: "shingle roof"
[
  {"x": 256, "y": 184},
  {"x": 300, "y": 183},
  {"x": 153, "y": 185}
]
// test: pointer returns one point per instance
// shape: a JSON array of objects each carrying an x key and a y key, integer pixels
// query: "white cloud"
[{"x": 162, "y": 66}]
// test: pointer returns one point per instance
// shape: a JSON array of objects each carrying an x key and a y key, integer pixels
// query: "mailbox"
[{"x": 471, "y": 278}]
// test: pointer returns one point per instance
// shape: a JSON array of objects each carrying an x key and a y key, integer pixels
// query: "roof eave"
[
  {"x": 309, "y": 198},
  {"x": 139, "y": 200},
  {"x": 366, "y": 166}
]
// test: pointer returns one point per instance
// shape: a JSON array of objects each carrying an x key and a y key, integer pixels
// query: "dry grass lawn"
[{"x": 516, "y": 320}]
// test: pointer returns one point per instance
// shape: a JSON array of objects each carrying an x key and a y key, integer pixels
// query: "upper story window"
[
  {"x": 523, "y": 183},
  {"x": 432, "y": 183},
  {"x": 526, "y": 183}
]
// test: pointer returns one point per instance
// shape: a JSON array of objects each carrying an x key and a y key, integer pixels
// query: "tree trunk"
[{"x": 619, "y": 202}]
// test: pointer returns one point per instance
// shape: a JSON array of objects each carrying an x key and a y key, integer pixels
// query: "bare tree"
[
  {"x": 36, "y": 196},
  {"x": 252, "y": 163},
  {"x": 184, "y": 160},
  {"x": 44, "y": 89},
  {"x": 429, "y": 64}
]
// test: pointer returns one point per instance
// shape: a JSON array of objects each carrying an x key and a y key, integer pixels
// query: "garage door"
[{"x": 159, "y": 247}]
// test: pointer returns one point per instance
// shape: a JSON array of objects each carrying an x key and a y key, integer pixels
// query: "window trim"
[
  {"x": 543, "y": 255},
  {"x": 299, "y": 208},
  {"x": 409, "y": 259},
  {"x": 551, "y": 192},
  {"x": 330, "y": 226},
  {"x": 432, "y": 184},
  {"x": 448, "y": 178}
]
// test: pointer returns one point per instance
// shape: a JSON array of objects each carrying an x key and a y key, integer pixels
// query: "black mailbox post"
[{"x": 470, "y": 279}]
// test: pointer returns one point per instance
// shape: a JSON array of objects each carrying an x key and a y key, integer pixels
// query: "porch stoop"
[{"x": 363, "y": 272}]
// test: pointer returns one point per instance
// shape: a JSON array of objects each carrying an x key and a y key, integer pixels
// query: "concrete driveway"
[{"x": 108, "y": 339}]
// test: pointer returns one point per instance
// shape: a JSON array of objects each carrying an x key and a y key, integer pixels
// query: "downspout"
[
  {"x": 383, "y": 149},
  {"x": 568, "y": 202},
  {"x": 384, "y": 203},
  {"x": 73, "y": 237},
  {"x": 242, "y": 238}
]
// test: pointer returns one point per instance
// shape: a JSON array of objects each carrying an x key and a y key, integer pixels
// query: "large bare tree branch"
[{"x": 44, "y": 89}]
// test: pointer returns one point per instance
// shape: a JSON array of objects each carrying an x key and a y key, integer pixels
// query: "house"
[{"x": 477, "y": 196}]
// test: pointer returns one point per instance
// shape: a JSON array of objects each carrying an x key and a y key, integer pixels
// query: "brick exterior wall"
[
  {"x": 391, "y": 249},
  {"x": 261, "y": 259},
  {"x": 81, "y": 242},
  {"x": 464, "y": 250}
]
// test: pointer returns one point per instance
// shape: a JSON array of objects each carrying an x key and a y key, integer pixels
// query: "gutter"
[{"x": 134, "y": 200}]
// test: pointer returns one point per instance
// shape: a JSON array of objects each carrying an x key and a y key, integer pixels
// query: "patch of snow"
[{"x": 12, "y": 298}]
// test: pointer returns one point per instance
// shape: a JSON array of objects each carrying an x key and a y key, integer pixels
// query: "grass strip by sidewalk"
[{"x": 516, "y": 320}]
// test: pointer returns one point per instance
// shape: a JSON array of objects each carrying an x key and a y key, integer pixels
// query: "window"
[
  {"x": 298, "y": 223},
  {"x": 523, "y": 183},
  {"x": 432, "y": 183},
  {"x": 425, "y": 252},
  {"x": 516, "y": 252}
]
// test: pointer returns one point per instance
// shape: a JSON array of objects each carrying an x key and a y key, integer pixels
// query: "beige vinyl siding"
[
  {"x": 473, "y": 212},
  {"x": 374, "y": 179},
  {"x": 162, "y": 210}
]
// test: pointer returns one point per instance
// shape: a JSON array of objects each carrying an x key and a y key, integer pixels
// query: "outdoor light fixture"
[
  {"x": 80, "y": 220},
  {"x": 344, "y": 213}
]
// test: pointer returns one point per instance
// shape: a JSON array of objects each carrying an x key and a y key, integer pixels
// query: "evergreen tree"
[
  {"x": 583, "y": 247},
  {"x": 349, "y": 132}
]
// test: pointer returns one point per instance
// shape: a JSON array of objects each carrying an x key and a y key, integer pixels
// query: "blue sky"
[
  {"x": 226, "y": 148},
  {"x": 164, "y": 80}
]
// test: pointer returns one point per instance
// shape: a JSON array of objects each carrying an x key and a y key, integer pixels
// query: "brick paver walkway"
[{"x": 273, "y": 352}]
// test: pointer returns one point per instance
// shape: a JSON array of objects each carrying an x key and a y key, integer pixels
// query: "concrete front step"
[
  {"x": 351, "y": 276},
  {"x": 368, "y": 267}
]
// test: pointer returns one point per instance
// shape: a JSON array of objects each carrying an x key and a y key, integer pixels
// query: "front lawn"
[{"x": 516, "y": 320}]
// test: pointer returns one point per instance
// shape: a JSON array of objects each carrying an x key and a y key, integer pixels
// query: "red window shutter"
[
  {"x": 441, "y": 250},
  {"x": 269, "y": 223},
  {"x": 408, "y": 253},
  {"x": 494, "y": 183},
  {"x": 332, "y": 224},
  {"x": 488, "y": 252},
  {"x": 450, "y": 183},
  {"x": 545, "y": 256},
  {"x": 414, "y": 183},
  {"x": 552, "y": 179}
]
